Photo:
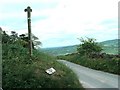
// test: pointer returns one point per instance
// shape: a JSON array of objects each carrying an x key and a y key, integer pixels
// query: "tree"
[
  {"x": 88, "y": 47},
  {"x": 5, "y": 37},
  {"x": 13, "y": 36},
  {"x": 35, "y": 42}
]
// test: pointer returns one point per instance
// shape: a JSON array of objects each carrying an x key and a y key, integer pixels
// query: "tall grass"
[{"x": 19, "y": 71}]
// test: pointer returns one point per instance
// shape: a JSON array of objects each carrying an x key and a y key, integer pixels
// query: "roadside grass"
[
  {"x": 102, "y": 64},
  {"x": 19, "y": 71}
]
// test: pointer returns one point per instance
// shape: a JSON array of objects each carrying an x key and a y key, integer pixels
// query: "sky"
[{"x": 61, "y": 22}]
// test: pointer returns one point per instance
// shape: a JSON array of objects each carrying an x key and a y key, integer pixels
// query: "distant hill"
[
  {"x": 109, "y": 46},
  {"x": 110, "y": 42},
  {"x": 60, "y": 50}
]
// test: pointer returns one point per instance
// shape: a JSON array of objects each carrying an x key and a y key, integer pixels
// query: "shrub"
[
  {"x": 103, "y": 64},
  {"x": 88, "y": 47}
]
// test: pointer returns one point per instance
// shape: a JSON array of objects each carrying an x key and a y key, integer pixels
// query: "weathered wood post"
[{"x": 29, "y": 10}]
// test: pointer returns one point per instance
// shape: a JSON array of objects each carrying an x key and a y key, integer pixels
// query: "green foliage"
[
  {"x": 109, "y": 47},
  {"x": 21, "y": 71},
  {"x": 21, "y": 39},
  {"x": 5, "y": 37},
  {"x": 88, "y": 47},
  {"x": 89, "y": 55},
  {"x": 110, "y": 65},
  {"x": 35, "y": 42}
]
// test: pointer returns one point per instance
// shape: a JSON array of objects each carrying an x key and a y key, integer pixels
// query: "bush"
[
  {"x": 22, "y": 71},
  {"x": 19, "y": 71},
  {"x": 103, "y": 64},
  {"x": 88, "y": 47}
]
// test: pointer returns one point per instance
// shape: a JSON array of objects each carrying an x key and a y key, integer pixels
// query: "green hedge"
[
  {"x": 19, "y": 71},
  {"x": 103, "y": 64}
]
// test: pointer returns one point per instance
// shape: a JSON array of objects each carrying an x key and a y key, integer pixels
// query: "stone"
[{"x": 50, "y": 71}]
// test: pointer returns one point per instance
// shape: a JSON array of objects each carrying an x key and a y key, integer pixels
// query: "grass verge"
[
  {"x": 19, "y": 71},
  {"x": 110, "y": 65}
]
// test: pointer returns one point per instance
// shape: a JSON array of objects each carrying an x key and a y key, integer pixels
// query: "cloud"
[
  {"x": 26, "y": 1},
  {"x": 61, "y": 22}
]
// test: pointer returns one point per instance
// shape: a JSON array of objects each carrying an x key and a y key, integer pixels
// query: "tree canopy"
[
  {"x": 20, "y": 40},
  {"x": 88, "y": 46}
]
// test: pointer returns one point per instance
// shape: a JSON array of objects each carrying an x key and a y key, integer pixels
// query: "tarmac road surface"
[{"x": 90, "y": 78}]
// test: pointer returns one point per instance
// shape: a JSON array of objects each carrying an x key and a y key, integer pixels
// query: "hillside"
[
  {"x": 110, "y": 42},
  {"x": 19, "y": 70},
  {"x": 89, "y": 55},
  {"x": 109, "y": 46},
  {"x": 60, "y": 50}
]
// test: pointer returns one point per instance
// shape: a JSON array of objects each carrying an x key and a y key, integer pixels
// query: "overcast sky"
[{"x": 61, "y": 22}]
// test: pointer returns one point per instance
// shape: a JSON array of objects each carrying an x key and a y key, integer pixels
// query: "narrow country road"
[{"x": 90, "y": 78}]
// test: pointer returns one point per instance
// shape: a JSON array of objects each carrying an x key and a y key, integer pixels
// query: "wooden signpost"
[{"x": 29, "y": 10}]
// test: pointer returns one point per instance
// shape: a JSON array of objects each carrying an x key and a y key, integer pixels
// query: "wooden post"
[{"x": 29, "y": 10}]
